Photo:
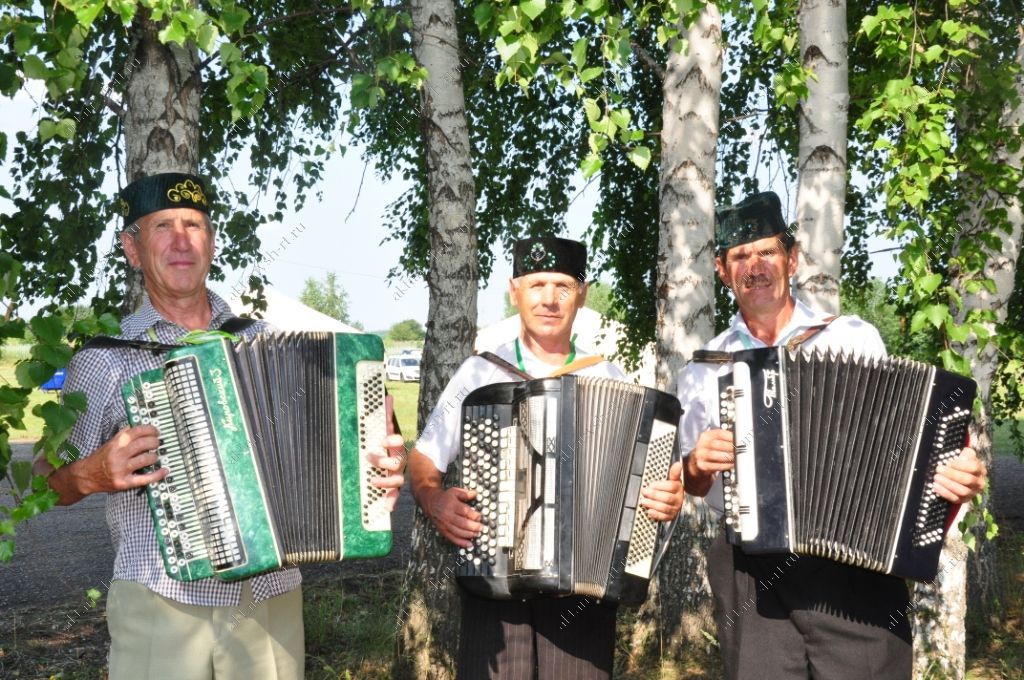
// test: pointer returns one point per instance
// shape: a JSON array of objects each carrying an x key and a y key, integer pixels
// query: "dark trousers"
[
  {"x": 787, "y": 616},
  {"x": 543, "y": 639}
]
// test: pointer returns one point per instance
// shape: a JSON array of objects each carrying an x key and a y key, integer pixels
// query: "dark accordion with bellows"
[
  {"x": 266, "y": 442},
  {"x": 558, "y": 464},
  {"x": 835, "y": 456}
]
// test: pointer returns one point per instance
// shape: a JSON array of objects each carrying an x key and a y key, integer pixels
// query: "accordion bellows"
[
  {"x": 558, "y": 465},
  {"x": 265, "y": 442},
  {"x": 835, "y": 456}
]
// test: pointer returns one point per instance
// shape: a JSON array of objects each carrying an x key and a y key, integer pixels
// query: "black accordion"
[
  {"x": 265, "y": 443},
  {"x": 558, "y": 464},
  {"x": 835, "y": 456}
]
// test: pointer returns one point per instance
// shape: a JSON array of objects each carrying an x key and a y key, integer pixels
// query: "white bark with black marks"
[
  {"x": 678, "y": 609},
  {"x": 161, "y": 119},
  {"x": 428, "y": 640},
  {"x": 939, "y": 633},
  {"x": 821, "y": 193},
  {"x": 685, "y": 286}
]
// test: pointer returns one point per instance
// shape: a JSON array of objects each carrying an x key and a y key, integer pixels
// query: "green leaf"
[
  {"x": 6, "y": 550},
  {"x": 109, "y": 324},
  {"x": 640, "y": 156},
  {"x": 591, "y": 165},
  {"x": 592, "y": 110},
  {"x": 86, "y": 13},
  {"x": 233, "y": 19},
  {"x": 32, "y": 373},
  {"x": 33, "y": 67},
  {"x": 926, "y": 285},
  {"x": 533, "y": 8},
  {"x": 174, "y": 32},
  {"x": 74, "y": 401},
  {"x": 579, "y": 53},
  {"x": 589, "y": 74},
  {"x": 21, "y": 474},
  {"x": 49, "y": 329},
  {"x": 206, "y": 36}
]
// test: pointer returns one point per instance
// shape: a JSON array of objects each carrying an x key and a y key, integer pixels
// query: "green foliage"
[
  {"x": 409, "y": 330},
  {"x": 326, "y": 297}
]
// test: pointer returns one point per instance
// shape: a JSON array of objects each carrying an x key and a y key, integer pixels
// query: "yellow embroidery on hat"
[{"x": 187, "y": 191}]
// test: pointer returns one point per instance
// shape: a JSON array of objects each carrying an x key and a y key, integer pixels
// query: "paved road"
[{"x": 62, "y": 553}]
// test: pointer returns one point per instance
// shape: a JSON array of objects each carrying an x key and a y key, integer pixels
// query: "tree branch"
[{"x": 648, "y": 60}]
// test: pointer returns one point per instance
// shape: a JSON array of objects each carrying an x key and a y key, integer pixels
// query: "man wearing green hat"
[
  {"x": 788, "y": 616},
  {"x": 546, "y": 638},
  {"x": 159, "y": 627}
]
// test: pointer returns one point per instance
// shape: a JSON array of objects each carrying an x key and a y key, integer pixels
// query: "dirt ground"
[{"x": 44, "y": 612}]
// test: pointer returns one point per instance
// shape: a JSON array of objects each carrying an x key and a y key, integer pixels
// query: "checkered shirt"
[{"x": 100, "y": 373}]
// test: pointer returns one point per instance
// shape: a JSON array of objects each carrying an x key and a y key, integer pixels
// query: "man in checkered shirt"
[{"x": 161, "y": 628}]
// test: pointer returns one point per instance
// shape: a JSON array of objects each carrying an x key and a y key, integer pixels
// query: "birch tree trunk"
[
  {"x": 679, "y": 607},
  {"x": 821, "y": 192},
  {"x": 939, "y": 633},
  {"x": 428, "y": 640},
  {"x": 161, "y": 119}
]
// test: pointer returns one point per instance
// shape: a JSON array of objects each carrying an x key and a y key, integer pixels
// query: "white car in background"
[{"x": 404, "y": 368}]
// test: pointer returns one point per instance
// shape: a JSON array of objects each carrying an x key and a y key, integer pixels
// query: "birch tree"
[
  {"x": 679, "y": 607},
  {"x": 163, "y": 87},
  {"x": 822, "y": 152},
  {"x": 430, "y": 605}
]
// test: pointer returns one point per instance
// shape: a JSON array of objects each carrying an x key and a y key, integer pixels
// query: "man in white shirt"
[
  {"x": 789, "y": 616},
  {"x": 525, "y": 639}
]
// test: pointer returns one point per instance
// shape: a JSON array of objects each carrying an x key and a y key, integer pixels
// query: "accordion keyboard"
[
  {"x": 175, "y": 507},
  {"x": 202, "y": 464},
  {"x": 644, "y": 535},
  {"x": 372, "y": 429},
  {"x": 950, "y": 434},
  {"x": 489, "y": 469}
]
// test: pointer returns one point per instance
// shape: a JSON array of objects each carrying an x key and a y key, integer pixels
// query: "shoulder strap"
[
  {"x": 506, "y": 365},
  {"x": 800, "y": 338},
  {"x": 710, "y": 356},
  {"x": 577, "y": 365},
  {"x": 233, "y": 324}
]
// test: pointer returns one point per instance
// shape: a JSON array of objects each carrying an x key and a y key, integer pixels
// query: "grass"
[
  {"x": 33, "y": 425},
  {"x": 406, "y": 395},
  {"x": 1001, "y": 444},
  {"x": 995, "y": 648}
]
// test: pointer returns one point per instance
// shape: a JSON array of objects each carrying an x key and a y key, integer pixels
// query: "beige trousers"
[{"x": 152, "y": 637}]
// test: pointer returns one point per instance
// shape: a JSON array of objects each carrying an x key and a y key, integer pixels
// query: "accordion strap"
[
  {"x": 709, "y": 356},
  {"x": 234, "y": 324},
  {"x": 799, "y": 339},
  {"x": 579, "y": 364},
  {"x": 506, "y": 365}
]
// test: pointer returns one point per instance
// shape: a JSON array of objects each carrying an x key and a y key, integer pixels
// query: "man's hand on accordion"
[
  {"x": 962, "y": 478},
  {"x": 664, "y": 498},
  {"x": 392, "y": 459},
  {"x": 713, "y": 453}
]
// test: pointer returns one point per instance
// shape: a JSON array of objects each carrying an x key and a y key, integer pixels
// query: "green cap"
[
  {"x": 756, "y": 217},
  {"x": 158, "y": 192}
]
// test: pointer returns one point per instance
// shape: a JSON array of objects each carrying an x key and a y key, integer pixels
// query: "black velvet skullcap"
[
  {"x": 549, "y": 254},
  {"x": 756, "y": 217},
  {"x": 158, "y": 192}
]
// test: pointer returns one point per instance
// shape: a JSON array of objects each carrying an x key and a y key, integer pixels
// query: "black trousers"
[
  {"x": 792, "y": 617},
  {"x": 542, "y": 639}
]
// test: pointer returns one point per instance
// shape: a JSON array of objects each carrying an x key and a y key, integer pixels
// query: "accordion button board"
[
  {"x": 558, "y": 465},
  {"x": 835, "y": 455},
  {"x": 266, "y": 442}
]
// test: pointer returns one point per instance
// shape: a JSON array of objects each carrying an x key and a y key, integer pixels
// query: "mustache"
[{"x": 756, "y": 280}]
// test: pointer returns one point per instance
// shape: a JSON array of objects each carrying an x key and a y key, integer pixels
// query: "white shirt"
[
  {"x": 697, "y": 386},
  {"x": 439, "y": 440}
]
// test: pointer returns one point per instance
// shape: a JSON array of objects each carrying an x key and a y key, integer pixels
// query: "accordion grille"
[
  {"x": 607, "y": 416},
  {"x": 372, "y": 429},
  {"x": 852, "y": 431}
]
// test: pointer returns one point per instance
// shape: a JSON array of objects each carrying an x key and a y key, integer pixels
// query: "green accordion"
[{"x": 266, "y": 443}]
